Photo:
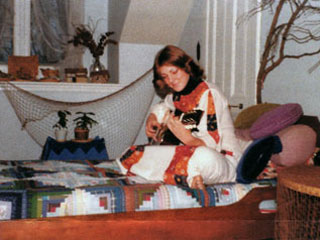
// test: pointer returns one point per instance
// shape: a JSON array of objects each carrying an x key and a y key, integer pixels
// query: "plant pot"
[
  {"x": 81, "y": 134},
  {"x": 61, "y": 134}
]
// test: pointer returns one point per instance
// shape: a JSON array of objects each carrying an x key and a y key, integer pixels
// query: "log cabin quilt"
[{"x": 39, "y": 189}]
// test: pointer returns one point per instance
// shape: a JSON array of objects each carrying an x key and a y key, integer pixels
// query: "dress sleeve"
[
  {"x": 160, "y": 109},
  {"x": 216, "y": 126},
  {"x": 204, "y": 133},
  {"x": 228, "y": 140}
]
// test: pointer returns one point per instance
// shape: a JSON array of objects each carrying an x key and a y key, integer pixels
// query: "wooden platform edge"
[{"x": 242, "y": 220}]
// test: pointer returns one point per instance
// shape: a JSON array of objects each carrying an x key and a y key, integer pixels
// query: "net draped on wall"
[{"x": 120, "y": 115}]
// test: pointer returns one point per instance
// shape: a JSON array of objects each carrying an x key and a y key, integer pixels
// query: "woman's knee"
[
  {"x": 205, "y": 156},
  {"x": 211, "y": 165}
]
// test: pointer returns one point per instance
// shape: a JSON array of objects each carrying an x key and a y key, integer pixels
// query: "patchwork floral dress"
[{"x": 178, "y": 164}]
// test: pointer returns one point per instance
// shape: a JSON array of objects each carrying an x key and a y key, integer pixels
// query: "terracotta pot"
[{"x": 81, "y": 134}]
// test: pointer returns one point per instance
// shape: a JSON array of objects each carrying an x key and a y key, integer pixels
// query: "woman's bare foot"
[{"x": 197, "y": 183}]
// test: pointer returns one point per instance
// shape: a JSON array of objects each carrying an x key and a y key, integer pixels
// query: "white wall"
[
  {"x": 195, "y": 31},
  {"x": 291, "y": 82},
  {"x": 15, "y": 143},
  {"x": 135, "y": 60}
]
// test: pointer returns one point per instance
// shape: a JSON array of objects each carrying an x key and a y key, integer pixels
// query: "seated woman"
[{"x": 206, "y": 151}]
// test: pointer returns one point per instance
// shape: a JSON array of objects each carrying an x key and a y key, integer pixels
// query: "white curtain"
[
  {"x": 55, "y": 22},
  {"x": 6, "y": 23}
]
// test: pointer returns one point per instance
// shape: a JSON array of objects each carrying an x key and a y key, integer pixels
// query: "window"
[
  {"x": 6, "y": 29},
  {"x": 49, "y": 18},
  {"x": 39, "y": 27}
]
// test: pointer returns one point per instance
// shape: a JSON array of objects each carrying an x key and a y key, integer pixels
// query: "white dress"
[{"x": 178, "y": 164}]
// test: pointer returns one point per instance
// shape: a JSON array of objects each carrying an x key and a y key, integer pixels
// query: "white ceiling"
[{"x": 155, "y": 21}]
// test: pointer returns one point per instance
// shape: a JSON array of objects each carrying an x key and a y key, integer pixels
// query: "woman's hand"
[
  {"x": 152, "y": 125},
  {"x": 183, "y": 134}
]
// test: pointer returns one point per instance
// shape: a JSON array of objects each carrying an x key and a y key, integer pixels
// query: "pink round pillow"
[
  {"x": 275, "y": 120},
  {"x": 298, "y": 144},
  {"x": 243, "y": 134}
]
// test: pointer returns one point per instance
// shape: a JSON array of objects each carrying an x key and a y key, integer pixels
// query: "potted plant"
[
  {"x": 84, "y": 36},
  {"x": 83, "y": 123},
  {"x": 60, "y": 127}
]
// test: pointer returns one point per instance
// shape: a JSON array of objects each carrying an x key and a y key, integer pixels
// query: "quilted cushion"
[
  {"x": 248, "y": 116},
  {"x": 275, "y": 120}
]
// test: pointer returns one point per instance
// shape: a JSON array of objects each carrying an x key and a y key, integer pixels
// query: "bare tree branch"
[
  {"x": 263, "y": 72},
  {"x": 263, "y": 6},
  {"x": 299, "y": 25},
  {"x": 307, "y": 54}
]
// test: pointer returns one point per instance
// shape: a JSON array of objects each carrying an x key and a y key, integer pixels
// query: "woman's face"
[{"x": 176, "y": 78}]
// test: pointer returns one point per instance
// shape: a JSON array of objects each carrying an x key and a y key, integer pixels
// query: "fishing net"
[{"x": 120, "y": 115}]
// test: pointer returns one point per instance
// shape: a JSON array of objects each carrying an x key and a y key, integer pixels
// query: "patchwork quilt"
[{"x": 38, "y": 189}]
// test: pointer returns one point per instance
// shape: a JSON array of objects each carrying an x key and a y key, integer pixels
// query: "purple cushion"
[{"x": 275, "y": 120}]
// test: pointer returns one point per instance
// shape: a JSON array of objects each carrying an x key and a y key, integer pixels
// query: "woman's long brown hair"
[{"x": 172, "y": 55}]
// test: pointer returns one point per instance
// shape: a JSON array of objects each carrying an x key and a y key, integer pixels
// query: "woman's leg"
[
  {"x": 197, "y": 183},
  {"x": 211, "y": 166}
]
